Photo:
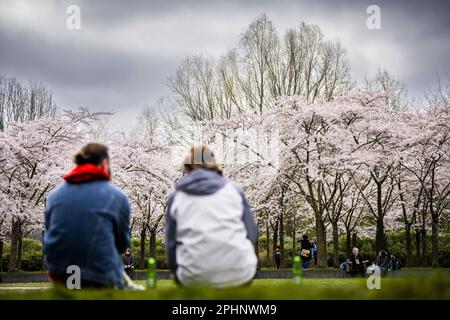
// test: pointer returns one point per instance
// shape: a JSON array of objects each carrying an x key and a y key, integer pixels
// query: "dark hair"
[
  {"x": 305, "y": 237},
  {"x": 93, "y": 153}
]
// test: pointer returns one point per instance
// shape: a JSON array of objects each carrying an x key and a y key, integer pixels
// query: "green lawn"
[
  {"x": 433, "y": 287},
  {"x": 43, "y": 285}
]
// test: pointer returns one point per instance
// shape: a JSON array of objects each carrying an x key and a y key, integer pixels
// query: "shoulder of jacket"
[
  {"x": 171, "y": 200},
  {"x": 117, "y": 192},
  {"x": 55, "y": 191},
  {"x": 236, "y": 187}
]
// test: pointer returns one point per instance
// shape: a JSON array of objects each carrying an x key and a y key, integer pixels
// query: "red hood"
[{"x": 85, "y": 173}]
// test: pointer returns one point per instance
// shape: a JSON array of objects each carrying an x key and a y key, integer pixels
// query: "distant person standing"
[
  {"x": 383, "y": 262},
  {"x": 314, "y": 252},
  {"x": 278, "y": 257},
  {"x": 305, "y": 251},
  {"x": 393, "y": 265}
]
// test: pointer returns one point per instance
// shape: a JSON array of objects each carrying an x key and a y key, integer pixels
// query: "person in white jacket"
[{"x": 210, "y": 229}]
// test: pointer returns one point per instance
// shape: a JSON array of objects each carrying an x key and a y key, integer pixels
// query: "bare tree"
[
  {"x": 148, "y": 122},
  {"x": 259, "y": 46},
  {"x": 396, "y": 93},
  {"x": 21, "y": 103},
  {"x": 439, "y": 93},
  {"x": 101, "y": 130},
  {"x": 259, "y": 70}
]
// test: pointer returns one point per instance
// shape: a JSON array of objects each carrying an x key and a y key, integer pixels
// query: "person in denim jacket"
[{"x": 87, "y": 222}]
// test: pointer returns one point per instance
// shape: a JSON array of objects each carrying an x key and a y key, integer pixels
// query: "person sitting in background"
[
  {"x": 210, "y": 229},
  {"x": 382, "y": 262},
  {"x": 305, "y": 251},
  {"x": 345, "y": 265},
  {"x": 128, "y": 262},
  {"x": 87, "y": 223},
  {"x": 278, "y": 257},
  {"x": 357, "y": 265}
]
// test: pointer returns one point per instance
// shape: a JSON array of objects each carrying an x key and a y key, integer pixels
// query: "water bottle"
[
  {"x": 297, "y": 270},
  {"x": 151, "y": 279}
]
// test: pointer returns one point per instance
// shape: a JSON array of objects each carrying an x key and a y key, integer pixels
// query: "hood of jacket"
[
  {"x": 201, "y": 182},
  {"x": 85, "y": 173}
]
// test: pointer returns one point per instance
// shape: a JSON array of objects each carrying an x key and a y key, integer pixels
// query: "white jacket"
[{"x": 209, "y": 231}]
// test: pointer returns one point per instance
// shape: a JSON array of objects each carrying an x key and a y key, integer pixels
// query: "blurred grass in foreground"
[{"x": 432, "y": 287}]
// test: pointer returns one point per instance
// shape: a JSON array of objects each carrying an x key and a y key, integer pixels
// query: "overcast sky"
[{"x": 121, "y": 58}]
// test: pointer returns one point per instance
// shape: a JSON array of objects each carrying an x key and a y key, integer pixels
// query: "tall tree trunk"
[
  {"x": 257, "y": 245},
  {"x": 43, "y": 267},
  {"x": 348, "y": 244},
  {"x": 408, "y": 224},
  {"x": 275, "y": 240},
  {"x": 354, "y": 240},
  {"x": 20, "y": 250},
  {"x": 142, "y": 252},
  {"x": 321, "y": 242},
  {"x": 417, "y": 247},
  {"x": 294, "y": 239},
  {"x": 424, "y": 248},
  {"x": 275, "y": 236},
  {"x": 152, "y": 243},
  {"x": 434, "y": 222},
  {"x": 380, "y": 240},
  {"x": 282, "y": 239},
  {"x": 434, "y": 243},
  {"x": 1, "y": 254},
  {"x": 409, "y": 248},
  {"x": 267, "y": 245},
  {"x": 335, "y": 244},
  {"x": 15, "y": 235}
]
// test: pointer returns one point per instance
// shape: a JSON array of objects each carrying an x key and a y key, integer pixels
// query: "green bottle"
[
  {"x": 151, "y": 279},
  {"x": 297, "y": 270}
]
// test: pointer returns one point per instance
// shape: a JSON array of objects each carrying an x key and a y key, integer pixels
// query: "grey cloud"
[{"x": 121, "y": 58}]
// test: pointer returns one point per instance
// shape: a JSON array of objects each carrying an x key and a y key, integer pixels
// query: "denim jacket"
[{"x": 87, "y": 225}]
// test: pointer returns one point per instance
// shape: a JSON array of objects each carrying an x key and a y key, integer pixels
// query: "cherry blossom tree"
[
  {"x": 427, "y": 159},
  {"x": 145, "y": 172},
  {"x": 352, "y": 164},
  {"x": 34, "y": 156},
  {"x": 342, "y": 157}
]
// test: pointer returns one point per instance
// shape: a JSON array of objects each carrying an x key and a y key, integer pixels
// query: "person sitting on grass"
[
  {"x": 210, "y": 227},
  {"x": 87, "y": 223},
  {"x": 314, "y": 252}
]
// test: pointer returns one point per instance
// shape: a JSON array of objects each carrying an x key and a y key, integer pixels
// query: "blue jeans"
[{"x": 305, "y": 263}]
